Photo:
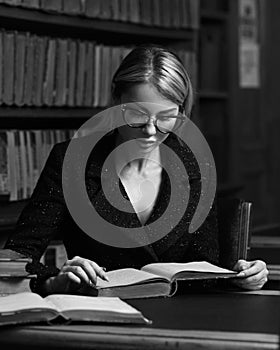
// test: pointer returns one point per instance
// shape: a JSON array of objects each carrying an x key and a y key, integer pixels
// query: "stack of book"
[{"x": 13, "y": 276}]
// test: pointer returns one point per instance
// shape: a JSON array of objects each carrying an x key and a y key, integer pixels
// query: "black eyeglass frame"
[{"x": 180, "y": 117}]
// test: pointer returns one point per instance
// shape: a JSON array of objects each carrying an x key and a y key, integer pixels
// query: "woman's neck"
[{"x": 135, "y": 160}]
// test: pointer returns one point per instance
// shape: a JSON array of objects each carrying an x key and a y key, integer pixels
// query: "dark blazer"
[{"x": 46, "y": 216}]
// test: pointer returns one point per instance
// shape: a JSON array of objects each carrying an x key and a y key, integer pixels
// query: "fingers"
[
  {"x": 253, "y": 274},
  {"x": 241, "y": 265},
  {"x": 250, "y": 268},
  {"x": 84, "y": 270}
]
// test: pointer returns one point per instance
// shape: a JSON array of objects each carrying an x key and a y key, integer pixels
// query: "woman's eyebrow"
[{"x": 160, "y": 112}]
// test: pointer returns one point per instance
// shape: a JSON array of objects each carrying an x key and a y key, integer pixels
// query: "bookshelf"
[
  {"x": 80, "y": 25},
  {"x": 214, "y": 64}
]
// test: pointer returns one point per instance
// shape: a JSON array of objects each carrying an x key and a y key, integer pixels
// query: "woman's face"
[{"x": 145, "y": 98}]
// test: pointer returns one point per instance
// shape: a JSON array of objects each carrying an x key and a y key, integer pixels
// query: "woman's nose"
[{"x": 149, "y": 128}]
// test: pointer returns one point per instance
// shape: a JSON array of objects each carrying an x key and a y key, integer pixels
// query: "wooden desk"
[{"x": 203, "y": 321}]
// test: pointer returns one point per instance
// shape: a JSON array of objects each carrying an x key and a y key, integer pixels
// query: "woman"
[{"x": 155, "y": 83}]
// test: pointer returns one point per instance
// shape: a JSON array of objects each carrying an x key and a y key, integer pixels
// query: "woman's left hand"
[{"x": 252, "y": 274}]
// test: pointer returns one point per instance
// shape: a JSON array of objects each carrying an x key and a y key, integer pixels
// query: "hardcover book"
[
  {"x": 154, "y": 280},
  {"x": 32, "y": 308}
]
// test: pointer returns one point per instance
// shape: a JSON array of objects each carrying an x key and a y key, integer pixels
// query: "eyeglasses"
[{"x": 136, "y": 118}]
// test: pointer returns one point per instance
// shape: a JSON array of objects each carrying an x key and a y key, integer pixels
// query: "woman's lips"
[{"x": 145, "y": 143}]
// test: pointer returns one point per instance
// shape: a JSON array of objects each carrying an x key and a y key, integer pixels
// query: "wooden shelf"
[
  {"x": 208, "y": 94},
  {"x": 41, "y": 19},
  {"x": 48, "y": 112},
  {"x": 213, "y": 15}
]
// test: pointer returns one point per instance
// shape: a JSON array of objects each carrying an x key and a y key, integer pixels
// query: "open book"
[
  {"x": 153, "y": 280},
  {"x": 31, "y": 307}
]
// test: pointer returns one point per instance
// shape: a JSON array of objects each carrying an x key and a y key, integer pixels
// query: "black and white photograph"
[{"x": 139, "y": 174}]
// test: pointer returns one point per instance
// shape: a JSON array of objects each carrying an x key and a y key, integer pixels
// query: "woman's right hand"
[{"x": 74, "y": 274}]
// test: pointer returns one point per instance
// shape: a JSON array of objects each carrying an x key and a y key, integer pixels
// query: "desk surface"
[{"x": 201, "y": 321}]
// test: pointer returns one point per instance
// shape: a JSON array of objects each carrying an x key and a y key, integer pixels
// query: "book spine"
[
  {"x": 12, "y": 2},
  {"x": 1, "y": 66},
  {"x": 115, "y": 9},
  {"x": 29, "y": 67},
  {"x": 51, "y": 5},
  {"x": 4, "y": 172},
  {"x": 97, "y": 74},
  {"x": 29, "y": 162},
  {"x": 20, "y": 56},
  {"x": 48, "y": 85},
  {"x": 71, "y": 7},
  {"x": 39, "y": 70},
  {"x": 12, "y": 165},
  {"x": 61, "y": 72},
  {"x": 23, "y": 164},
  {"x": 72, "y": 69},
  {"x": 89, "y": 75},
  {"x": 81, "y": 73},
  {"x": 31, "y": 3},
  {"x": 93, "y": 8},
  {"x": 8, "y": 63}
]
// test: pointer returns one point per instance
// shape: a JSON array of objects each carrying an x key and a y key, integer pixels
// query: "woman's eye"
[
  {"x": 166, "y": 117},
  {"x": 139, "y": 113}
]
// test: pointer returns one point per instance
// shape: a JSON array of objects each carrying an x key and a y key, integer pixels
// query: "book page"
[
  {"x": 22, "y": 301},
  {"x": 125, "y": 277},
  {"x": 65, "y": 302},
  {"x": 169, "y": 270}
]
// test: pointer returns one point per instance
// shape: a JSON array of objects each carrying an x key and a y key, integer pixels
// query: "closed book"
[
  {"x": 194, "y": 14},
  {"x": 61, "y": 72},
  {"x": 105, "y": 74},
  {"x": 12, "y": 165},
  {"x": 97, "y": 74},
  {"x": 12, "y": 263},
  {"x": 124, "y": 8},
  {"x": 166, "y": 10},
  {"x": 115, "y": 9},
  {"x": 81, "y": 73},
  {"x": 175, "y": 14},
  {"x": 105, "y": 10},
  {"x": 31, "y": 3},
  {"x": 9, "y": 66},
  {"x": 13, "y": 285},
  {"x": 30, "y": 308},
  {"x": 134, "y": 11},
  {"x": 93, "y": 8},
  {"x": 20, "y": 56},
  {"x": 18, "y": 166},
  {"x": 29, "y": 162},
  {"x": 156, "y": 20},
  {"x": 51, "y": 5},
  {"x": 89, "y": 69},
  {"x": 71, "y": 7},
  {"x": 39, "y": 69},
  {"x": 29, "y": 71},
  {"x": 4, "y": 168},
  {"x": 13, "y": 2},
  {"x": 49, "y": 78},
  {"x": 72, "y": 72},
  {"x": 185, "y": 10},
  {"x": 145, "y": 7},
  {"x": 1, "y": 66},
  {"x": 23, "y": 160},
  {"x": 154, "y": 280}
]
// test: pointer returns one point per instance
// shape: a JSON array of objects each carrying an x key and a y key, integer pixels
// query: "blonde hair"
[{"x": 157, "y": 66}]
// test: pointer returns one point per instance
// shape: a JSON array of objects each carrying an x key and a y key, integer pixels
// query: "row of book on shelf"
[
  {"x": 161, "y": 13},
  {"x": 44, "y": 71},
  {"x": 22, "y": 156}
]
